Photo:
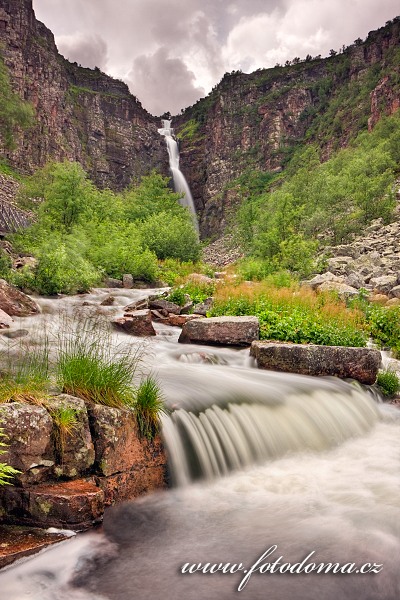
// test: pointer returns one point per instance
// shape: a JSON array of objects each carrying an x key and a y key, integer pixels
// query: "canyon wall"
[{"x": 80, "y": 114}]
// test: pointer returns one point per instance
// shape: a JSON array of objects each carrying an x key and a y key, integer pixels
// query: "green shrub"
[
  {"x": 171, "y": 236},
  {"x": 62, "y": 270},
  {"x": 388, "y": 382},
  {"x": 177, "y": 296},
  {"x": 384, "y": 326},
  {"x": 5, "y": 264}
]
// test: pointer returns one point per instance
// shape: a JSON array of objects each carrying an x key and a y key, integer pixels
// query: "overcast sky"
[{"x": 172, "y": 52}]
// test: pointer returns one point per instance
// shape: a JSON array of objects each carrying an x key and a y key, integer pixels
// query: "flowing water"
[
  {"x": 180, "y": 184},
  {"x": 259, "y": 460}
]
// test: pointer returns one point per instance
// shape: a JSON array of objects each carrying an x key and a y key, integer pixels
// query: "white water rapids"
[
  {"x": 180, "y": 184},
  {"x": 306, "y": 464}
]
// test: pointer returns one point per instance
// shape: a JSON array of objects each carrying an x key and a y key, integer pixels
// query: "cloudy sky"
[{"x": 172, "y": 52}]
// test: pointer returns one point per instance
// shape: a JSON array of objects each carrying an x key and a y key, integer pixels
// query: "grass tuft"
[
  {"x": 388, "y": 383},
  {"x": 148, "y": 407}
]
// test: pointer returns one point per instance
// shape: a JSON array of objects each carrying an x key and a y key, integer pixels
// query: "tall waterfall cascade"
[{"x": 180, "y": 184}]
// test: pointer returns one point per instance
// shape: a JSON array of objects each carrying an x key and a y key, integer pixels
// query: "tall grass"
[
  {"x": 26, "y": 373},
  {"x": 293, "y": 314},
  {"x": 91, "y": 367},
  {"x": 148, "y": 406}
]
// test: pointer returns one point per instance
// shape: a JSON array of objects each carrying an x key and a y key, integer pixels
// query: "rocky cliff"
[
  {"x": 80, "y": 114},
  {"x": 256, "y": 121}
]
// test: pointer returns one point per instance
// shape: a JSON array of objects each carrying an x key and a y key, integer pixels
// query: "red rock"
[
  {"x": 74, "y": 504},
  {"x": 5, "y": 320},
  {"x": 19, "y": 542},
  {"x": 133, "y": 483},
  {"x": 14, "y": 302},
  {"x": 164, "y": 305},
  {"x": 117, "y": 443},
  {"x": 180, "y": 320},
  {"x": 138, "y": 323}
]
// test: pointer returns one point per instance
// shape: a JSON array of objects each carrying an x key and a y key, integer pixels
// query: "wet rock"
[
  {"x": 74, "y": 447},
  {"x": 20, "y": 542},
  {"x": 165, "y": 305},
  {"x": 5, "y": 320},
  {"x": 127, "y": 281},
  {"x": 137, "y": 323},
  {"x": 133, "y": 483},
  {"x": 203, "y": 307},
  {"x": 15, "y": 334},
  {"x": 108, "y": 301},
  {"x": 307, "y": 359},
  {"x": 236, "y": 331},
  {"x": 28, "y": 429},
  {"x": 117, "y": 443},
  {"x": 15, "y": 303},
  {"x": 112, "y": 283},
  {"x": 157, "y": 315},
  {"x": 73, "y": 505},
  {"x": 180, "y": 320},
  {"x": 138, "y": 305},
  {"x": 187, "y": 308}
]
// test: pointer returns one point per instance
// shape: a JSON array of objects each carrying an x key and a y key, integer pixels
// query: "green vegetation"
[
  {"x": 189, "y": 131},
  {"x": 279, "y": 225},
  {"x": 65, "y": 420},
  {"x": 388, "y": 383},
  {"x": 194, "y": 286},
  {"x": 90, "y": 368},
  {"x": 83, "y": 234},
  {"x": 14, "y": 112},
  {"x": 293, "y": 314},
  {"x": 6, "y": 472},
  {"x": 149, "y": 406}
]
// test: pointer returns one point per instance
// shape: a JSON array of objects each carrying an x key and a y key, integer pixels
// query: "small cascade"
[
  {"x": 180, "y": 184},
  {"x": 252, "y": 420}
]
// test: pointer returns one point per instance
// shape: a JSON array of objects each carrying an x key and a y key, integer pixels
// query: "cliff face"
[
  {"x": 80, "y": 114},
  {"x": 256, "y": 121}
]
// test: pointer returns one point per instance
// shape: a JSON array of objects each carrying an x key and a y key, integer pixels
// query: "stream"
[{"x": 273, "y": 473}]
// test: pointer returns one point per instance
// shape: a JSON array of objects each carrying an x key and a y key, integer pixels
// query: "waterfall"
[
  {"x": 180, "y": 184},
  {"x": 225, "y": 421}
]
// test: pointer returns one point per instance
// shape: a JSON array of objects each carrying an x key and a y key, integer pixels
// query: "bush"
[
  {"x": 388, "y": 382},
  {"x": 384, "y": 326},
  {"x": 62, "y": 270},
  {"x": 171, "y": 236}
]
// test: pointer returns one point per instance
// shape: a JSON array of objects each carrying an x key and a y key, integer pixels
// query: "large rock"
[
  {"x": 164, "y": 305},
  {"x": 357, "y": 363},
  {"x": 343, "y": 290},
  {"x": 137, "y": 323},
  {"x": 5, "y": 320},
  {"x": 384, "y": 284},
  {"x": 74, "y": 505},
  {"x": 235, "y": 331},
  {"x": 14, "y": 302},
  {"x": 117, "y": 443},
  {"x": 74, "y": 447},
  {"x": 318, "y": 280},
  {"x": 28, "y": 430}
]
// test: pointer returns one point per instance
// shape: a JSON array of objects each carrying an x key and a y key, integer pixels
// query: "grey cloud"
[
  {"x": 87, "y": 50},
  {"x": 162, "y": 83},
  {"x": 202, "y": 38}
]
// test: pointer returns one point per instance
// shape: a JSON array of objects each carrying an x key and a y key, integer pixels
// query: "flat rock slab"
[
  {"x": 18, "y": 541},
  {"x": 361, "y": 364},
  {"x": 234, "y": 331},
  {"x": 74, "y": 504}
]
